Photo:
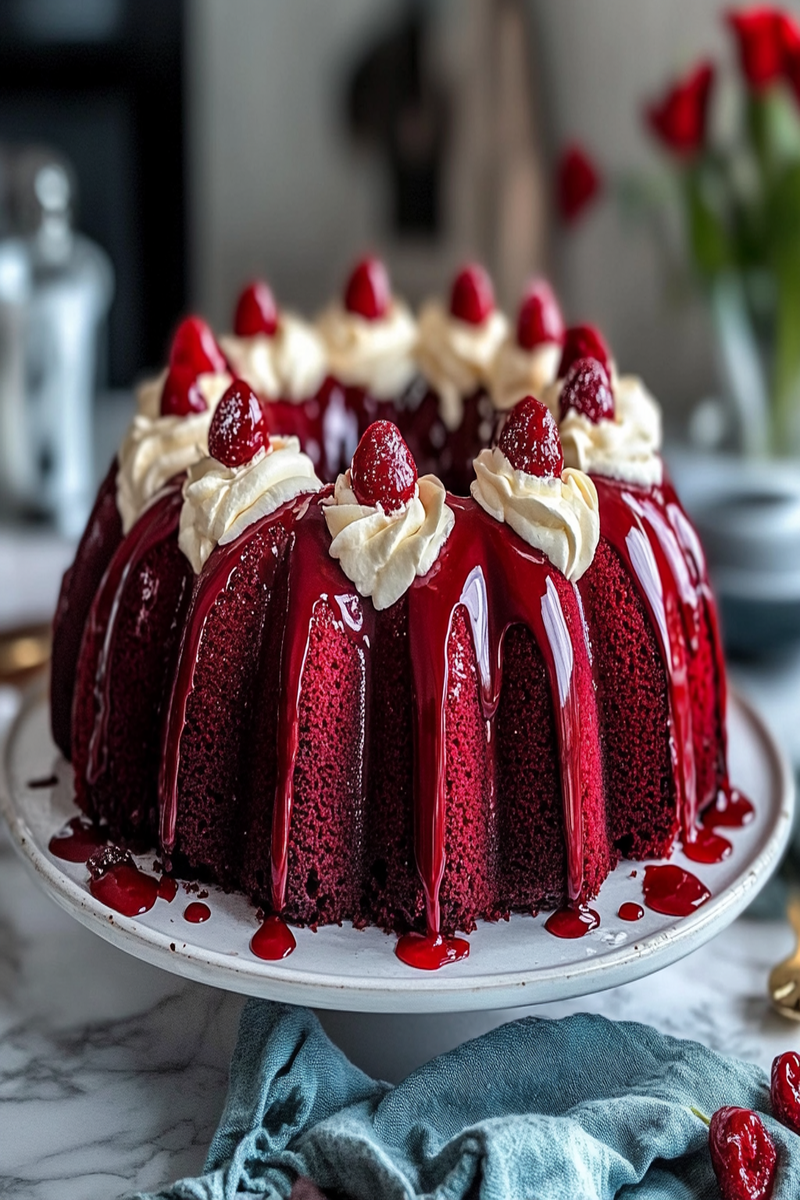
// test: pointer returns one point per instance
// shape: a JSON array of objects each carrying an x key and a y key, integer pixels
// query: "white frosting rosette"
[
  {"x": 383, "y": 552},
  {"x": 559, "y": 516},
  {"x": 157, "y": 448},
  {"x": 456, "y": 357},
  {"x": 624, "y": 447},
  {"x": 287, "y": 365},
  {"x": 220, "y": 502},
  {"x": 374, "y": 355},
  {"x": 516, "y": 372}
]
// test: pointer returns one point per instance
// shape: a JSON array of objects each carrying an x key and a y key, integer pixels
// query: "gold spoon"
[
  {"x": 23, "y": 649},
  {"x": 784, "y": 980}
]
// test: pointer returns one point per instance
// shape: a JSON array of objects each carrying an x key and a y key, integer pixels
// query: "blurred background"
[{"x": 157, "y": 154}]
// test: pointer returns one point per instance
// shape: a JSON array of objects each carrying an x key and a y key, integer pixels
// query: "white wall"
[{"x": 278, "y": 190}]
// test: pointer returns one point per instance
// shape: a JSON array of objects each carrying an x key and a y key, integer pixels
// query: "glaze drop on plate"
[
  {"x": 671, "y": 890},
  {"x": 630, "y": 911},
  {"x": 77, "y": 841},
  {"x": 196, "y": 913},
  {"x": 430, "y": 951},
  {"x": 573, "y": 922},
  {"x": 126, "y": 889},
  {"x": 273, "y": 939}
]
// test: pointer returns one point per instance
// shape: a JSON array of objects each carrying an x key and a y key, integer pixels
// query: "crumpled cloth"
[{"x": 576, "y": 1109}]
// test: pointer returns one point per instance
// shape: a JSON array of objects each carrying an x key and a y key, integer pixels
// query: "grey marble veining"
[{"x": 113, "y": 1073}]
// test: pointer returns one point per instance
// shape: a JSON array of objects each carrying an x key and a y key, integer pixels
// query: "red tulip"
[
  {"x": 679, "y": 119},
  {"x": 758, "y": 32},
  {"x": 578, "y": 182},
  {"x": 790, "y": 47}
]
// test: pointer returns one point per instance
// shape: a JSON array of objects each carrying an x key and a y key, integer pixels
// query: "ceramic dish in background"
[{"x": 747, "y": 514}]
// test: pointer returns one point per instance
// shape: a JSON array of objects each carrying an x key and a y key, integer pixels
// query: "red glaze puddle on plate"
[
  {"x": 572, "y": 922},
  {"x": 430, "y": 951},
  {"x": 77, "y": 841},
  {"x": 732, "y": 810},
  {"x": 126, "y": 889},
  {"x": 671, "y": 890},
  {"x": 273, "y": 939},
  {"x": 708, "y": 847},
  {"x": 630, "y": 911},
  {"x": 197, "y": 912},
  {"x": 167, "y": 888}
]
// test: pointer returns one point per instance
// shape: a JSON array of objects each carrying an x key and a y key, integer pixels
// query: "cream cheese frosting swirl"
[
  {"x": 383, "y": 552},
  {"x": 516, "y": 372},
  {"x": 287, "y": 365},
  {"x": 615, "y": 448},
  {"x": 375, "y": 355},
  {"x": 625, "y": 448},
  {"x": 559, "y": 516},
  {"x": 220, "y": 502},
  {"x": 456, "y": 357},
  {"x": 156, "y": 448}
]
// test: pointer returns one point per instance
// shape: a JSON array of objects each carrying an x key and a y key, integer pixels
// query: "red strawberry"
[
  {"x": 530, "y": 439},
  {"x": 584, "y": 341},
  {"x": 383, "y": 470},
  {"x": 587, "y": 390},
  {"x": 181, "y": 394},
  {"x": 194, "y": 348},
  {"x": 742, "y": 1154},
  {"x": 256, "y": 311},
  {"x": 785, "y": 1089},
  {"x": 368, "y": 292},
  {"x": 472, "y": 295},
  {"x": 238, "y": 428},
  {"x": 539, "y": 318}
]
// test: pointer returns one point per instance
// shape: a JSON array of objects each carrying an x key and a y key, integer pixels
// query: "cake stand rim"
[{"x": 422, "y": 992}]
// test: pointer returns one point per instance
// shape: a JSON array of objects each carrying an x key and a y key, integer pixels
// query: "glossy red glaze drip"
[
  {"x": 273, "y": 939},
  {"x": 47, "y": 781},
  {"x": 167, "y": 888},
  {"x": 314, "y": 577},
  {"x": 707, "y": 847},
  {"x": 196, "y": 912},
  {"x": 501, "y": 582},
  {"x": 572, "y": 922},
  {"x": 630, "y": 911},
  {"x": 430, "y": 951},
  {"x": 77, "y": 841},
  {"x": 671, "y": 890},
  {"x": 154, "y": 525},
  {"x": 731, "y": 810},
  {"x": 126, "y": 889},
  {"x": 635, "y": 523},
  {"x": 216, "y": 574}
]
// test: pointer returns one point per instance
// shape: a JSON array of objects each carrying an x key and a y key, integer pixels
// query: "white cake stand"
[{"x": 511, "y": 964}]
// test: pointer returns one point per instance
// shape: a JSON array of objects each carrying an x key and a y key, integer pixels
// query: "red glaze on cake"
[{"x": 272, "y": 728}]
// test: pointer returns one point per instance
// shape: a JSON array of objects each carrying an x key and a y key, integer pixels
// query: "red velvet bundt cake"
[{"x": 373, "y": 699}]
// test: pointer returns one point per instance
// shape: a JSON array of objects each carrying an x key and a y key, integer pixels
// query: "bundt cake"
[{"x": 304, "y": 670}]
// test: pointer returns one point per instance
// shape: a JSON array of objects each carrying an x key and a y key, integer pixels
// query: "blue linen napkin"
[{"x": 577, "y": 1109}]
